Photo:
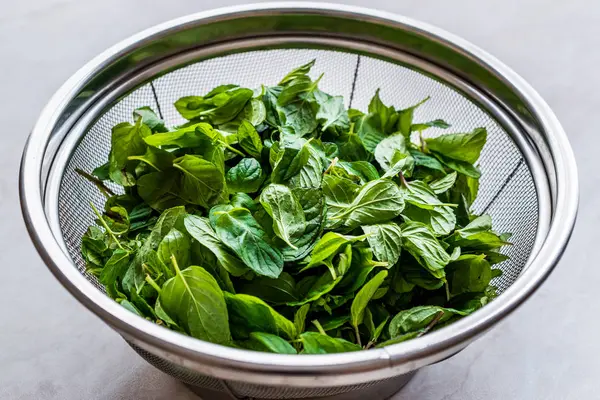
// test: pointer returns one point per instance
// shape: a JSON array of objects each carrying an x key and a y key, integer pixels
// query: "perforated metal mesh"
[
  {"x": 240, "y": 390},
  {"x": 506, "y": 192}
]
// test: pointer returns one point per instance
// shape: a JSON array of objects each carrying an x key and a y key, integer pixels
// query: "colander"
[{"x": 529, "y": 184}]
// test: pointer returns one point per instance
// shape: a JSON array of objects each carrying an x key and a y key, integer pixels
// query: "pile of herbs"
[{"x": 277, "y": 220}]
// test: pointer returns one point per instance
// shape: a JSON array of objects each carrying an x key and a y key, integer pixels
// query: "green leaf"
[
  {"x": 329, "y": 244},
  {"x": 460, "y": 166},
  {"x": 155, "y": 267},
  {"x": 400, "y": 284},
  {"x": 158, "y": 159},
  {"x": 239, "y": 231},
  {"x": 377, "y": 201},
  {"x": 219, "y": 106},
  {"x": 249, "y": 139},
  {"x": 277, "y": 291},
  {"x": 363, "y": 170},
  {"x": 261, "y": 341},
  {"x": 401, "y": 163},
  {"x": 162, "y": 314},
  {"x": 169, "y": 219},
  {"x": 313, "y": 206},
  {"x": 293, "y": 89},
  {"x": 246, "y": 177},
  {"x": 300, "y": 318},
  {"x": 425, "y": 207},
  {"x": 386, "y": 152},
  {"x": 254, "y": 112},
  {"x": 311, "y": 174},
  {"x": 361, "y": 267},
  {"x": 202, "y": 256},
  {"x": 201, "y": 181},
  {"x": 386, "y": 117},
  {"x": 374, "y": 331},
  {"x": 286, "y": 211},
  {"x": 415, "y": 274},
  {"x": 323, "y": 285},
  {"x": 495, "y": 258},
  {"x": 175, "y": 244},
  {"x": 344, "y": 260},
  {"x": 441, "y": 220},
  {"x": 444, "y": 184},
  {"x": 102, "y": 172},
  {"x": 418, "y": 193},
  {"x": 140, "y": 302},
  {"x": 339, "y": 194},
  {"x": 244, "y": 201},
  {"x": 420, "y": 242},
  {"x": 477, "y": 235},
  {"x": 297, "y": 72},
  {"x": 316, "y": 343},
  {"x": 196, "y": 135},
  {"x": 418, "y": 318},
  {"x": 130, "y": 307},
  {"x": 300, "y": 116},
  {"x": 249, "y": 314},
  {"x": 126, "y": 140},
  {"x": 115, "y": 267},
  {"x": 194, "y": 300},
  {"x": 423, "y": 160},
  {"x": 456, "y": 252},
  {"x": 332, "y": 112},
  {"x": 331, "y": 323},
  {"x": 463, "y": 193},
  {"x": 459, "y": 146},
  {"x": 381, "y": 292},
  {"x": 117, "y": 219},
  {"x": 385, "y": 240},
  {"x": 379, "y": 330},
  {"x": 95, "y": 241},
  {"x": 471, "y": 302},
  {"x": 405, "y": 118},
  {"x": 159, "y": 189},
  {"x": 269, "y": 98},
  {"x": 353, "y": 147},
  {"x": 150, "y": 119},
  {"x": 436, "y": 123},
  {"x": 481, "y": 224},
  {"x": 201, "y": 230},
  {"x": 470, "y": 273},
  {"x": 368, "y": 132},
  {"x": 360, "y": 302},
  {"x": 289, "y": 161}
]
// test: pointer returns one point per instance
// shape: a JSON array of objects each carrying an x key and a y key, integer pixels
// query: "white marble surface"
[{"x": 53, "y": 348}]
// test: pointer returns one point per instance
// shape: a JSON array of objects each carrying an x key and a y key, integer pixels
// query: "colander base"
[
  {"x": 211, "y": 388},
  {"x": 381, "y": 391}
]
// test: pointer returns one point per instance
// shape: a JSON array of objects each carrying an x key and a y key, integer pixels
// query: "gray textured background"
[{"x": 53, "y": 348}]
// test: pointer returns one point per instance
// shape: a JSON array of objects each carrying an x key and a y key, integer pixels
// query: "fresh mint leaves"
[{"x": 278, "y": 220}]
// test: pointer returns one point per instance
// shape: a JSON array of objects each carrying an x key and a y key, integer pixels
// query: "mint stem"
[
  {"x": 152, "y": 283},
  {"x": 432, "y": 323},
  {"x": 357, "y": 335},
  {"x": 99, "y": 184},
  {"x": 110, "y": 232}
]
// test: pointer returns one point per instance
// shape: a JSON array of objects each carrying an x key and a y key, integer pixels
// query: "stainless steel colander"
[{"x": 529, "y": 182}]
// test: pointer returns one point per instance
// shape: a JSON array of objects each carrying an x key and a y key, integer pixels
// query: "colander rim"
[{"x": 423, "y": 348}]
